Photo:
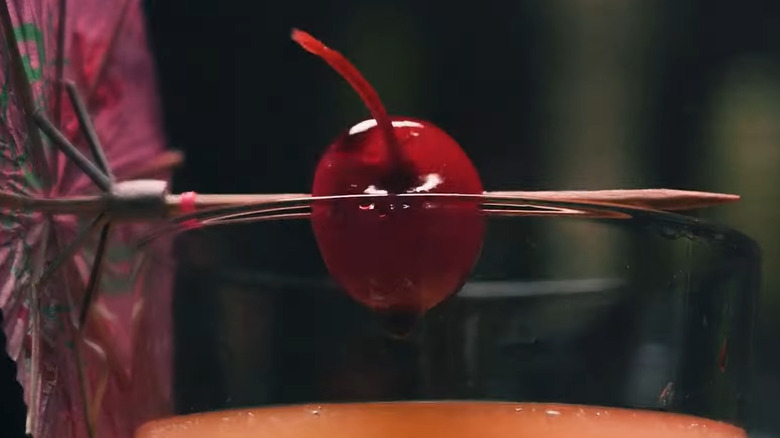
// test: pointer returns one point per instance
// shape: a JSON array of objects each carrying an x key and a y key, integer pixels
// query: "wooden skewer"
[
  {"x": 204, "y": 201},
  {"x": 656, "y": 199},
  {"x": 66, "y": 205}
]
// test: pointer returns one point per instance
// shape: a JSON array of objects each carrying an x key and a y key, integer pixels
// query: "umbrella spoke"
[
  {"x": 103, "y": 66},
  {"x": 35, "y": 330},
  {"x": 60, "y": 66},
  {"x": 72, "y": 247},
  {"x": 90, "y": 294},
  {"x": 93, "y": 172},
  {"x": 95, "y": 396},
  {"x": 85, "y": 391},
  {"x": 94, "y": 276},
  {"x": 88, "y": 129}
]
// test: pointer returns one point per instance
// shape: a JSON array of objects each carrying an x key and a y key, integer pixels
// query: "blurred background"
[
  {"x": 557, "y": 94},
  {"x": 560, "y": 94}
]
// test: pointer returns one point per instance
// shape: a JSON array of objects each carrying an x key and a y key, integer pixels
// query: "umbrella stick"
[
  {"x": 657, "y": 199},
  {"x": 660, "y": 199},
  {"x": 75, "y": 205},
  {"x": 205, "y": 201}
]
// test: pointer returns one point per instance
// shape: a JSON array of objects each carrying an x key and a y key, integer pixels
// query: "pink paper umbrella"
[
  {"x": 85, "y": 279},
  {"x": 78, "y": 353}
]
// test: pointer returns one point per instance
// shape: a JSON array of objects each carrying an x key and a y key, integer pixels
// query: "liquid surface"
[{"x": 437, "y": 419}]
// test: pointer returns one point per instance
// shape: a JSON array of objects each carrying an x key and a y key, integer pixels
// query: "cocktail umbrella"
[{"x": 77, "y": 351}]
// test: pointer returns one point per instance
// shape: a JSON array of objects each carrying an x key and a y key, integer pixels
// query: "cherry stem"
[{"x": 370, "y": 98}]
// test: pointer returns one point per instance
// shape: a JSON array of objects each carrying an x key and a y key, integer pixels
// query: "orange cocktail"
[{"x": 437, "y": 419}]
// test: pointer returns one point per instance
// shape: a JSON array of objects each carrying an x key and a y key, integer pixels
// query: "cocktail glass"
[{"x": 579, "y": 320}]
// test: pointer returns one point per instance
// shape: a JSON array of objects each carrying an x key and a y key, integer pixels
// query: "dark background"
[{"x": 541, "y": 94}]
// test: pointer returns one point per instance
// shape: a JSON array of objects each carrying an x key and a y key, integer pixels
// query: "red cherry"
[{"x": 399, "y": 256}]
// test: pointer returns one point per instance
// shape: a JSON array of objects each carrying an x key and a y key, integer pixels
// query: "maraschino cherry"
[{"x": 398, "y": 255}]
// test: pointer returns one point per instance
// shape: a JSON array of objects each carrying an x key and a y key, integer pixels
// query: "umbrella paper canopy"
[{"x": 79, "y": 378}]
